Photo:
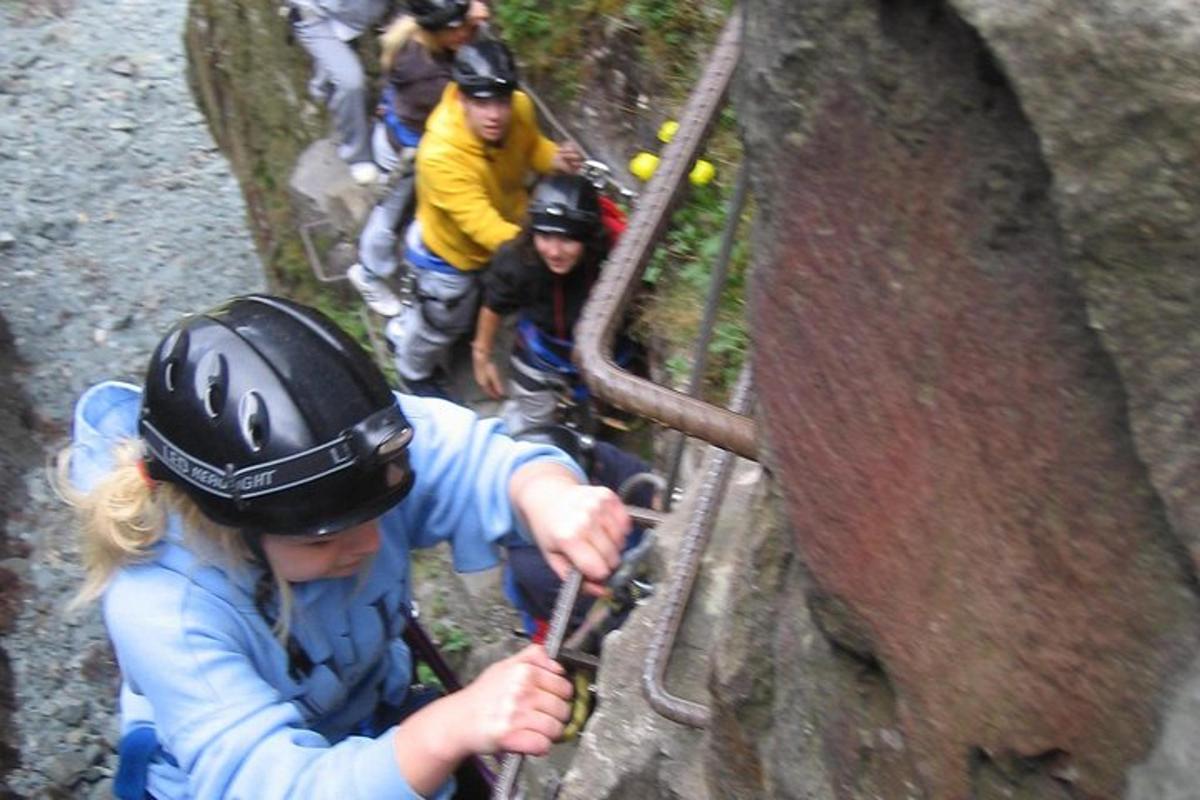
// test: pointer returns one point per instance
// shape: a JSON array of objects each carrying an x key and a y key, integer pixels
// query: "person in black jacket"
[{"x": 544, "y": 277}]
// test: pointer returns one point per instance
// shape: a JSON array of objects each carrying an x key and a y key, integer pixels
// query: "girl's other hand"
[{"x": 518, "y": 705}]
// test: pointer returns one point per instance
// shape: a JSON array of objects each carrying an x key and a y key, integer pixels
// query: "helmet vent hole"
[
  {"x": 252, "y": 421},
  {"x": 169, "y": 375},
  {"x": 214, "y": 400},
  {"x": 212, "y": 383},
  {"x": 255, "y": 435}
]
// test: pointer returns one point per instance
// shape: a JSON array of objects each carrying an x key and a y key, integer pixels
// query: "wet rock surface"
[
  {"x": 119, "y": 215},
  {"x": 18, "y": 455},
  {"x": 976, "y": 456},
  {"x": 250, "y": 80}
]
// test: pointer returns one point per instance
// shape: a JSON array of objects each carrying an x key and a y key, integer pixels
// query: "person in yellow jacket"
[{"x": 473, "y": 163}]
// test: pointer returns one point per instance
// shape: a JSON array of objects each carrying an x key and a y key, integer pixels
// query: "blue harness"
[
  {"x": 135, "y": 751},
  {"x": 417, "y": 253},
  {"x": 545, "y": 352},
  {"x": 551, "y": 354},
  {"x": 400, "y": 132}
]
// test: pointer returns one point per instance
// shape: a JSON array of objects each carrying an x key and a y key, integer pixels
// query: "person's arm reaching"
[
  {"x": 568, "y": 158},
  {"x": 517, "y": 705},
  {"x": 503, "y": 487},
  {"x": 486, "y": 374},
  {"x": 544, "y": 155},
  {"x": 465, "y": 466}
]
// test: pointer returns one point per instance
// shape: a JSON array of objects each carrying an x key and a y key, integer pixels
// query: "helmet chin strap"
[
  {"x": 300, "y": 666},
  {"x": 254, "y": 541}
]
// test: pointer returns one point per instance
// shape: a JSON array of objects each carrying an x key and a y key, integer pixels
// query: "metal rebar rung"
[
  {"x": 683, "y": 579},
  {"x": 567, "y": 596},
  {"x": 603, "y": 312}
]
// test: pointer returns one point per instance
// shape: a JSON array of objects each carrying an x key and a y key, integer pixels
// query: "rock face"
[
  {"x": 19, "y": 453},
  {"x": 979, "y": 270},
  {"x": 249, "y": 80},
  {"x": 974, "y": 310},
  {"x": 102, "y": 246}
]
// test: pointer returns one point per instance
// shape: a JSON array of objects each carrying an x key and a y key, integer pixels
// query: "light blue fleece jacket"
[{"x": 200, "y": 665}]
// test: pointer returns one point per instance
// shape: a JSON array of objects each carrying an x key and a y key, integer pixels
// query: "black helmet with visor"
[
  {"x": 436, "y": 15},
  {"x": 273, "y": 420},
  {"x": 566, "y": 205},
  {"x": 484, "y": 70}
]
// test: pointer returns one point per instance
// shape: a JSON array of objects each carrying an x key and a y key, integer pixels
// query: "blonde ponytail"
[
  {"x": 125, "y": 515},
  {"x": 402, "y": 29},
  {"x": 121, "y": 518}
]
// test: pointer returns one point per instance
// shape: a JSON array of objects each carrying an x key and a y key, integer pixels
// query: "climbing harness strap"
[
  {"x": 453, "y": 314},
  {"x": 137, "y": 748},
  {"x": 401, "y": 135},
  {"x": 539, "y": 352},
  {"x": 417, "y": 253},
  {"x": 545, "y": 352}
]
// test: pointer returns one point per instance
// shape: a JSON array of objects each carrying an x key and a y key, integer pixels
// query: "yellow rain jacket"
[{"x": 471, "y": 195}]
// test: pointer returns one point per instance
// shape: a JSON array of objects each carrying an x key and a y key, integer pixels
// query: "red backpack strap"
[
  {"x": 613, "y": 218},
  {"x": 542, "y": 630}
]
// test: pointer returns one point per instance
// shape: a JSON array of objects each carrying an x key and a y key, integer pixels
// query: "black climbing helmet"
[
  {"x": 579, "y": 446},
  {"x": 434, "y": 15},
  {"x": 273, "y": 420},
  {"x": 566, "y": 205},
  {"x": 485, "y": 69}
]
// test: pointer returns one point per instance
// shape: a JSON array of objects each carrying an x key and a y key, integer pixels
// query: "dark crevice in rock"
[
  {"x": 865, "y": 744},
  {"x": 802, "y": 707},
  {"x": 844, "y": 629},
  {"x": 1044, "y": 776},
  {"x": 643, "y": 785},
  {"x": 17, "y": 454}
]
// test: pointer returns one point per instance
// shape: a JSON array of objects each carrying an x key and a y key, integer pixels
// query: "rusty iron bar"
[
  {"x": 615, "y": 287},
  {"x": 510, "y": 770},
  {"x": 505, "y": 787},
  {"x": 716, "y": 286},
  {"x": 315, "y": 261},
  {"x": 683, "y": 579}
]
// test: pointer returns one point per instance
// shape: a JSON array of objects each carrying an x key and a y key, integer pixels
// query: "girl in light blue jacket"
[{"x": 248, "y": 518}]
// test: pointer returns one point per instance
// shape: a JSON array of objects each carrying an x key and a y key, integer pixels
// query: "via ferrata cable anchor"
[{"x": 600, "y": 175}]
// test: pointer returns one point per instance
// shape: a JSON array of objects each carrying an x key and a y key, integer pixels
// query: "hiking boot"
[
  {"x": 365, "y": 173},
  {"x": 393, "y": 334},
  {"x": 375, "y": 291}
]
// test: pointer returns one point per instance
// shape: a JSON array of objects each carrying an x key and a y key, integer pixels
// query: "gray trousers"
[
  {"x": 443, "y": 310},
  {"x": 528, "y": 407},
  {"x": 339, "y": 78},
  {"x": 377, "y": 242}
]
